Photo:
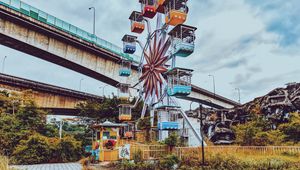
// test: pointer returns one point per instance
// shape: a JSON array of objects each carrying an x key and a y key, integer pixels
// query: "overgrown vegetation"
[
  {"x": 224, "y": 161},
  {"x": 26, "y": 138},
  {"x": 145, "y": 125},
  {"x": 260, "y": 132}
]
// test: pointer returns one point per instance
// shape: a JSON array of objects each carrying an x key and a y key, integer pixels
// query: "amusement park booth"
[{"x": 106, "y": 144}]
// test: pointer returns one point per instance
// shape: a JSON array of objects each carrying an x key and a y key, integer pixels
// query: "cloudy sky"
[{"x": 248, "y": 44}]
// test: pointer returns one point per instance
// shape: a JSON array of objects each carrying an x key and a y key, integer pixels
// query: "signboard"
[{"x": 124, "y": 152}]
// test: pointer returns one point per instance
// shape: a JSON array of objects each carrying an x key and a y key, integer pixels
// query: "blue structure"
[
  {"x": 168, "y": 125},
  {"x": 167, "y": 117},
  {"x": 179, "y": 81},
  {"x": 183, "y": 49},
  {"x": 179, "y": 90},
  {"x": 124, "y": 72},
  {"x": 129, "y": 44},
  {"x": 129, "y": 48},
  {"x": 125, "y": 69},
  {"x": 183, "y": 38}
]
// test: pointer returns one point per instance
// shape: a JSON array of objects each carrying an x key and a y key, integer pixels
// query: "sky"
[{"x": 252, "y": 45}]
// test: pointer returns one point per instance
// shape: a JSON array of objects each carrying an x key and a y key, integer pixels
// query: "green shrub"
[
  {"x": 40, "y": 149},
  {"x": 127, "y": 165},
  {"x": 137, "y": 156},
  {"x": 32, "y": 151},
  {"x": 69, "y": 150},
  {"x": 168, "y": 162}
]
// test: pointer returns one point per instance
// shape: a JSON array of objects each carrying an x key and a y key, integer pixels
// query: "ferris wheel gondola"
[
  {"x": 183, "y": 39},
  {"x": 176, "y": 11},
  {"x": 148, "y": 8},
  {"x": 137, "y": 22}
]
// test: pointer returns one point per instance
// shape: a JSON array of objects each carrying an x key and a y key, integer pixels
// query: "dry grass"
[{"x": 4, "y": 163}]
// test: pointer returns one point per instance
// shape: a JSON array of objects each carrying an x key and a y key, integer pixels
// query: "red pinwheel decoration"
[{"x": 155, "y": 66}]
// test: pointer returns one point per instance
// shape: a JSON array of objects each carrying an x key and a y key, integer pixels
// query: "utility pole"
[
  {"x": 94, "y": 22},
  {"x": 3, "y": 63},
  {"x": 80, "y": 83},
  {"x": 214, "y": 84},
  {"x": 60, "y": 128},
  {"x": 239, "y": 93}
]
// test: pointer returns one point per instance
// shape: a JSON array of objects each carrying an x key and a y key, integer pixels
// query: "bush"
[
  {"x": 32, "y": 151},
  {"x": 3, "y": 163},
  {"x": 40, "y": 149},
  {"x": 137, "y": 156},
  {"x": 69, "y": 150},
  {"x": 168, "y": 162}
]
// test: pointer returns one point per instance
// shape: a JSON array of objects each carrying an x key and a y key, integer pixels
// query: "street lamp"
[
  {"x": 214, "y": 85},
  {"x": 239, "y": 93},
  {"x": 94, "y": 27},
  {"x": 103, "y": 87},
  {"x": 3, "y": 63},
  {"x": 80, "y": 82}
]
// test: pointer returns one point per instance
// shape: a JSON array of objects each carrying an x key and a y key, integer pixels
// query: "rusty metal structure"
[{"x": 275, "y": 106}]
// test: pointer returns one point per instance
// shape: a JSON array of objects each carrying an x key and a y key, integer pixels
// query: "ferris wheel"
[{"x": 160, "y": 80}]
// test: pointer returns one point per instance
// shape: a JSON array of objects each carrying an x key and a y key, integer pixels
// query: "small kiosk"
[{"x": 106, "y": 144}]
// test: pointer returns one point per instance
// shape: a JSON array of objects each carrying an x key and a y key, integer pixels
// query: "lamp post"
[
  {"x": 239, "y": 93},
  {"x": 214, "y": 84},
  {"x": 3, "y": 63},
  {"x": 103, "y": 87},
  {"x": 80, "y": 82},
  {"x": 94, "y": 26}
]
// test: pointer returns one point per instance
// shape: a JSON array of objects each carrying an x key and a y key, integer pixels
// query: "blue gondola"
[
  {"x": 179, "y": 81},
  {"x": 183, "y": 38},
  {"x": 129, "y": 44},
  {"x": 125, "y": 68},
  {"x": 167, "y": 118}
]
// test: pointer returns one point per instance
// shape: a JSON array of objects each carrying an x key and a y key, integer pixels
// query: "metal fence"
[{"x": 48, "y": 19}]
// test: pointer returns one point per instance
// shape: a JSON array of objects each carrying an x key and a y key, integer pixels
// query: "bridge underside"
[{"x": 56, "y": 100}]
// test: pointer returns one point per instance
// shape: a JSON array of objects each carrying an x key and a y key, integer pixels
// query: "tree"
[
  {"x": 145, "y": 124},
  {"x": 106, "y": 109},
  {"x": 292, "y": 128}
]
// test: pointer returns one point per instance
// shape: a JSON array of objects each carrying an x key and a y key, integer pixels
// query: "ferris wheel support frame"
[{"x": 162, "y": 28}]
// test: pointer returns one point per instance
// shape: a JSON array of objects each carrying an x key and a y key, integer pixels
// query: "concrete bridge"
[
  {"x": 93, "y": 57},
  {"x": 58, "y": 100}
]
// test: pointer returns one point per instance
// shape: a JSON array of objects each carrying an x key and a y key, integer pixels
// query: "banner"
[{"x": 124, "y": 152}]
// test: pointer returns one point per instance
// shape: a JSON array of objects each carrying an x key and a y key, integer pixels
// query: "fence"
[
  {"x": 182, "y": 152},
  {"x": 158, "y": 151}
]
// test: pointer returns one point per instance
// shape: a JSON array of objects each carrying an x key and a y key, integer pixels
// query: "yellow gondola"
[
  {"x": 123, "y": 92},
  {"x": 124, "y": 112},
  {"x": 176, "y": 11}
]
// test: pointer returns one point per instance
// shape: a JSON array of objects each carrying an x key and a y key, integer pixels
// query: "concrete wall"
[{"x": 47, "y": 100}]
